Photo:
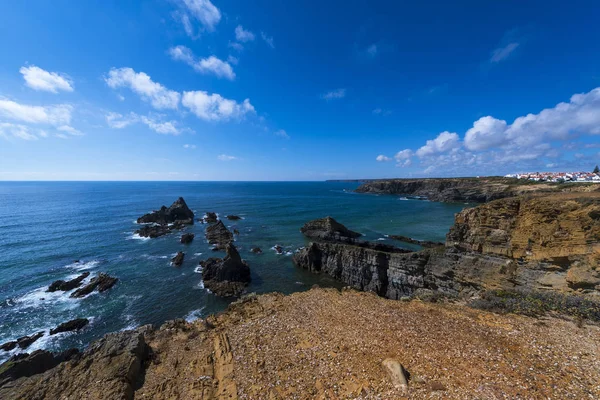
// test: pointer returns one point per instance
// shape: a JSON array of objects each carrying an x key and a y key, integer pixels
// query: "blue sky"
[{"x": 308, "y": 90}]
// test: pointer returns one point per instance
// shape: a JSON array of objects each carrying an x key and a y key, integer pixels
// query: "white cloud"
[
  {"x": 165, "y": 128},
  {"x": 118, "y": 121},
  {"x": 17, "y": 131},
  {"x": 486, "y": 132},
  {"x": 268, "y": 40},
  {"x": 201, "y": 10},
  {"x": 51, "y": 115},
  {"x": 403, "y": 158},
  {"x": 159, "y": 96},
  {"x": 236, "y": 46},
  {"x": 225, "y": 157},
  {"x": 70, "y": 130},
  {"x": 211, "y": 65},
  {"x": 382, "y": 158},
  {"x": 502, "y": 53},
  {"x": 214, "y": 107},
  {"x": 444, "y": 142},
  {"x": 233, "y": 60},
  {"x": 189, "y": 146},
  {"x": 334, "y": 94},
  {"x": 372, "y": 50},
  {"x": 242, "y": 35},
  {"x": 39, "y": 79},
  {"x": 282, "y": 133}
]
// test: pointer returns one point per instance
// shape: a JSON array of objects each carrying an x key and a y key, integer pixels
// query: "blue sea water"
[{"x": 46, "y": 226}]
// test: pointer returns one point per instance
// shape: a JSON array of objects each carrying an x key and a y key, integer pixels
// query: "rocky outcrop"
[
  {"x": 328, "y": 229},
  {"x": 177, "y": 212},
  {"x": 178, "y": 259},
  {"x": 102, "y": 282},
  {"x": 539, "y": 243},
  {"x": 187, "y": 238},
  {"x": 23, "y": 342},
  {"x": 110, "y": 368},
  {"x": 218, "y": 235},
  {"x": 226, "y": 277},
  {"x": 73, "y": 325},
  {"x": 472, "y": 190},
  {"x": 67, "y": 285}
]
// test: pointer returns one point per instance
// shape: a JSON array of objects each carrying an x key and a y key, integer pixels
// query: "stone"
[
  {"x": 397, "y": 373},
  {"x": 187, "y": 238},
  {"x": 217, "y": 234},
  {"x": 178, "y": 259},
  {"x": 67, "y": 285},
  {"x": 73, "y": 325},
  {"x": 102, "y": 282},
  {"x": 226, "y": 277}
]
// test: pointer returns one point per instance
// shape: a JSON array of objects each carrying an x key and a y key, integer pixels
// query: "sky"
[{"x": 297, "y": 90}]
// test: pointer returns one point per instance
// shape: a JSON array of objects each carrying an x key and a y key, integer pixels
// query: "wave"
[
  {"x": 194, "y": 315},
  {"x": 82, "y": 265},
  {"x": 381, "y": 238},
  {"x": 136, "y": 236},
  {"x": 198, "y": 269},
  {"x": 197, "y": 254}
]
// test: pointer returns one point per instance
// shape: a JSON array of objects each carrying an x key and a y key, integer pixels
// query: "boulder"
[
  {"x": 233, "y": 217},
  {"x": 210, "y": 218},
  {"x": 67, "y": 285},
  {"x": 256, "y": 250},
  {"x": 178, "y": 259},
  {"x": 101, "y": 282},
  {"x": 178, "y": 211},
  {"x": 328, "y": 229},
  {"x": 218, "y": 235},
  {"x": 226, "y": 277},
  {"x": 187, "y": 238},
  {"x": 73, "y": 325}
]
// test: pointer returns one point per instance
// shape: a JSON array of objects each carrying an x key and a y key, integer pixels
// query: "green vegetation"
[
  {"x": 537, "y": 303},
  {"x": 596, "y": 170}
]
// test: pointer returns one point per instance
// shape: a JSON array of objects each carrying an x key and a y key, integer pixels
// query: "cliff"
[
  {"x": 549, "y": 243},
  {"x": 325, "y": 344},
  {"x": 472, "y": 190}
]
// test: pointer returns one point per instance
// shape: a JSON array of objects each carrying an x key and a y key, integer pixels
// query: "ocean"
[{"x": 46, "y": 226}]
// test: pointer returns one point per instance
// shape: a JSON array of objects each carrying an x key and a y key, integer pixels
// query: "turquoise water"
[{"x": 44, "y": 227}]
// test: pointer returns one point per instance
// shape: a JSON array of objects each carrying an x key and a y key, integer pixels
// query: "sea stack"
[{"x": 226, "y": 277}]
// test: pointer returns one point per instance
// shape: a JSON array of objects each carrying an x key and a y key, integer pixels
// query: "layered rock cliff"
[
  {"x": 550, "y": 243},
  {"x": 472, "y": 190}
]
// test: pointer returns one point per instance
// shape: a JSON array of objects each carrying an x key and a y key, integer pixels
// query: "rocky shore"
[
  {"x": 470, "y": 190},
  {"x": 324, "y": 344}
]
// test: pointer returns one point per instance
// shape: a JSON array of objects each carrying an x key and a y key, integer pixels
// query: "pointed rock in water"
[
  {"x": 187, "y": 238},
  {"x": 233, "y": 217},
  {"x": 178, "y": 259},
  {"x": 210, "y": 218},
  {"x": 102, "y": 282},
  {"x": 226, "y": 277},
  {"x": 26, "y": 341},
  {"x": 219, "y": 235},
  {"x": 328, "y": 229},
  {"x": 67, "y": 285},
  {"x": 73, "y": 325},
  {"x": 178, "y": 211}
]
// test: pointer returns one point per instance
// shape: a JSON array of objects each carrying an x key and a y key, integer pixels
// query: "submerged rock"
[
  {"x": 218, "y": 235},
  {"x": 26, "y": 341},
  {"x": 73, "y": 325},
  {"x": 278, "y": 249},
  {"x": 67, "y": 285},
  {"x": 178, "y": 259},
  {"x": 187, "y": 238},
  {"x": 328, "y": 229},
  {"x": 233, "y": 217},
  {"x": 256, "y": 250},
  {"x": 101, "y": 282},
  {"x": 226, "y": 277},
  {"x": 178, "y": 211}
]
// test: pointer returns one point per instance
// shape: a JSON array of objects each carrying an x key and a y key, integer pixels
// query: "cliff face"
[
  {"x": 550, "y": 243},
  {"x": 472, "y": 190}
]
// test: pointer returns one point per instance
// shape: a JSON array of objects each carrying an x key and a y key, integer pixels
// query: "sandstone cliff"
[
  {"x": 550, "y": 243},
  {"x": 472, "y": 190}
]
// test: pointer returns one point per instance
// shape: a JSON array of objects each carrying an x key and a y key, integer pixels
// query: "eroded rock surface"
[
  {"x": 328, "y": 229},
  {"x": 73, "y": 325},
  {"x": 102, "y": 282},
  {"x": 187, "y": 238},
  {"x": 218, "y": 235},
  {"x": 226, "y": 277},
  {"x": 178, "y": 259},
  {"x": 67, "y": 285},
  {"x": 178, "y": 211}
]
